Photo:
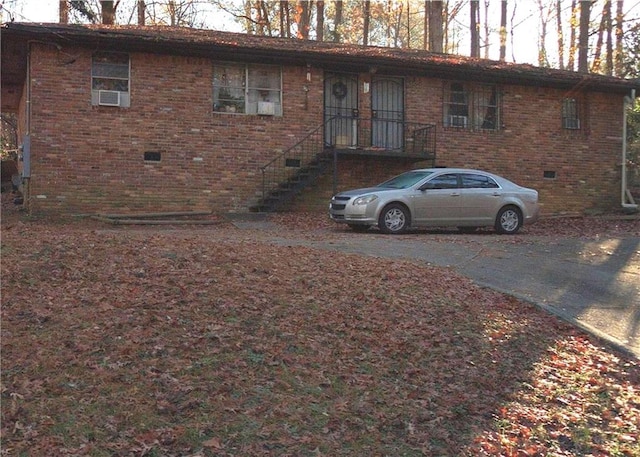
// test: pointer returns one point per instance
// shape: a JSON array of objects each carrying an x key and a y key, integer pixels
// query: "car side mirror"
[{"x": 426, "y": 186}]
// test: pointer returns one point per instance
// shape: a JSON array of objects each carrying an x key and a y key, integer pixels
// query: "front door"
[
  {"x": 341, "y": 110},
  {"x": 387, "y": 113}
]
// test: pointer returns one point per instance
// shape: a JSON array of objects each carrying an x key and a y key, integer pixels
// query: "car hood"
[{"x": 363, "y": 191}]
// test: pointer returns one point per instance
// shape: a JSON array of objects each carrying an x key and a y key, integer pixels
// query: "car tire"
[
  {"x": 394, "y": 219},
  {"x": 508, "y": 220},
  {"x": 359, "y": 228}
]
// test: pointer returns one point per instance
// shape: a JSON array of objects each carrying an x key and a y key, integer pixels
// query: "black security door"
[
  {"x": 387, "y": 113},
  {"x": 341, "y": 110}
]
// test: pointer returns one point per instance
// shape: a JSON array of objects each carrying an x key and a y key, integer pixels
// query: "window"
[
  {"x": 443, "y": 182},
  {"x": 110, "y": 79},
  {"x": 570, "y": 114},
  {"x": 473, "y": 181},
  {"x": 247, "y": 89},
  {"x": 472, "y": 107}
]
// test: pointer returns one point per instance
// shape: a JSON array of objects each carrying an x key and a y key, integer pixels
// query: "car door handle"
[
  {"x": 455, "y": 194},
  {"x": 497, "y": 194}
]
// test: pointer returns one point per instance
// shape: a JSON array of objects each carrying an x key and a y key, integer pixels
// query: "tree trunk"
[
  {"x": 63, "y": 12},
  {"x": 320, "y": 20},
  {"x": 366, "y": 20},
  {"x": 503, "y": 31},
  {"x": 108, "y": 12},
  {"x": 596, "y": 65},
  {"x": 427, "y": 19},
  {"x": 571, "y": 63},
  {"x": 434, "y": 32},
  {"x": 486, "y": 29},
  {"x": 474, "y": 26},
  {"x": 609, "y": 27},
  {"x": 303, "y": 19},
  {"x": 583, "y": 40},
  {"x": 560, "y": 34},
  {"x": 142, "y": 12},
  {"x": 619, "y": 19},
  {"x": 264, "y": 23},
  {"x": 337, "y": 35},
  {"x": 543, "y": 61}
]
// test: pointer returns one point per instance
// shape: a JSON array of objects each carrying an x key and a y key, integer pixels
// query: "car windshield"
[{"x": 405, "y": 180}]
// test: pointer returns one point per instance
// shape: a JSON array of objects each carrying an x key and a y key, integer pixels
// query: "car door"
[
  {"x": 437, "y": 202},
  {"x": 480, "y": 199}
]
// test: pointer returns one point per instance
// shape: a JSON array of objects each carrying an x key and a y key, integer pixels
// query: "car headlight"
[{"x": 365, "y": 200}]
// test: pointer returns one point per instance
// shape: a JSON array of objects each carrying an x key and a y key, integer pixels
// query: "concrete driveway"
[{"x": 594, "y": 284}]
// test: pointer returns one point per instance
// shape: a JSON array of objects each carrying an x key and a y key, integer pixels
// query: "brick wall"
[{"x": 89, "y": 159}]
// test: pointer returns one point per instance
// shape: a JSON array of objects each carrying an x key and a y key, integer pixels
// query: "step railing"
[{"x": 290, "y": 171}]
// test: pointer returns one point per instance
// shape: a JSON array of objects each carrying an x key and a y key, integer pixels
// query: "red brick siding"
[{"x": 90, "y": 159}]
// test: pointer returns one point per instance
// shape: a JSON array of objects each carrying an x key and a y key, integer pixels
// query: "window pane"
[
  {"x": 486, "y": 112},
  {"x": 229, "y": 76},
  {"x": 229, "y": 88},
  {"x": 110, "y": 71},
  {"x": 444, "y": 182},
  {"x": 570, "y": 114},
  {"x": 110, "y": 84},
  {"x": 262, "y": 77},
  {"x": 253, "y": 89},
  {"x": 470, "y": 181}
]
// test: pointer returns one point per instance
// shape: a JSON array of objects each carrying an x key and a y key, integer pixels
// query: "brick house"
[{"x": 134, "y": 119}]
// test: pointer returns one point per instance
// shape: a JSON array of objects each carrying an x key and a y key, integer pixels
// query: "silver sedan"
[{"x": 438, "y": 197}]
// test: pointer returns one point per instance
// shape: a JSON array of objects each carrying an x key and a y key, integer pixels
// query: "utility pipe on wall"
[{"x": 628, "y": 101}]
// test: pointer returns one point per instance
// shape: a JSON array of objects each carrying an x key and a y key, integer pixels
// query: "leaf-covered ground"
[{"x": 212, "y": 341}]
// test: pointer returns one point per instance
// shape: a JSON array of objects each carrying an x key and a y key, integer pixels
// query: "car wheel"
[
  {"x": 509, "y": 220},
  {"x": 359, "y": 227},
  {"x": 394, "y": 219}
]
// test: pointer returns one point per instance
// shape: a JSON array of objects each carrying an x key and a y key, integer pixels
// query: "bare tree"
[
  {"x": 503, "y": 30},
  {"x": 108, "y": 10},
  {"x": 486, "y": 29},
  {"x": 337, "y": 24},
  {"x": 573, "y": 22},
  {"x": 560, "y": 34},
  {"x": 583, "y": 40},
  {"x": 84, "y": 10},
  {"x": 142, "y": 10},
  {"x": 63, "y": 11},
  {"x": 303, "y": 18},
  {"x": 609, "y": 27},
  {"x": 619, "y": 34},
  {"x": 434, "y": 31},
  {"x": 365, "y": 22},
  {"x": 474, "y": 26},
  {"x": 545, "y": 17},
  {"x": 320, "y": 20}
]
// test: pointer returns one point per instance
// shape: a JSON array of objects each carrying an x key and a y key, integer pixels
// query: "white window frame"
[
  {"x": 109, "y": 85},
  {"x": 241, "y": 89}
]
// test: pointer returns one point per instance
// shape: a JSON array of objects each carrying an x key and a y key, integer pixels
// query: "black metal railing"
[
  {"x": 290, "y": 171},
  {"x": 378, "y": 136}
]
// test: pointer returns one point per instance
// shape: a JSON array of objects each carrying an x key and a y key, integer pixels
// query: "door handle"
[{"x": 455, "y": 194}]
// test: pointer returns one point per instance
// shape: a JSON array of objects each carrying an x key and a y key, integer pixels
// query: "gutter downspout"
[{"x": 626, "y": 207}]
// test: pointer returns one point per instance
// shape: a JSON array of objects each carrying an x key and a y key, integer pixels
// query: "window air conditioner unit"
[
  {"x": 108, "y": 98},
  {"x": 458, "y": 121},
  {"x": 266, "y": 108}
]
